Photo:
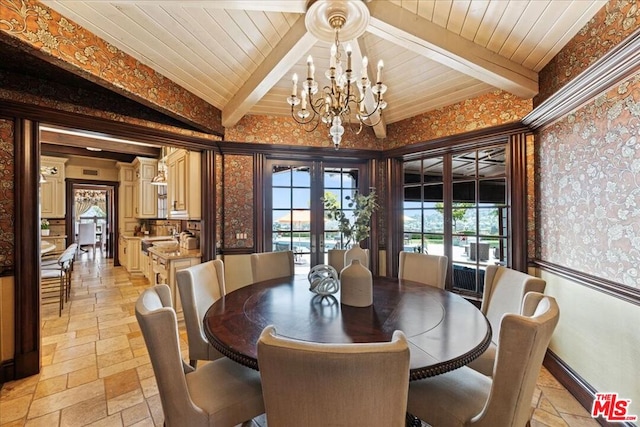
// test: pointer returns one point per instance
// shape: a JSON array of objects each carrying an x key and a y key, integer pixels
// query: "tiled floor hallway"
[{"x": 96, "y": 371}]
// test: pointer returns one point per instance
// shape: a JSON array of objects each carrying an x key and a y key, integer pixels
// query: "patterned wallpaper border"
[{"x": 65, "y": 43}]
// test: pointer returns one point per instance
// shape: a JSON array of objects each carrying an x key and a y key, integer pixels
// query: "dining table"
[{"x": 444, "y": 331}]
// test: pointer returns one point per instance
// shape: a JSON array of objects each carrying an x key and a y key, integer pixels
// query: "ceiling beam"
[
  {"x": 51, "y": 149},
  {"x": 284, "y": 55},
  {"x": 358, "y": 51},
  {"x": 419, "y": 35},
  {"x": 69, "y": 140},
  {"x": 284, "y": 6}
]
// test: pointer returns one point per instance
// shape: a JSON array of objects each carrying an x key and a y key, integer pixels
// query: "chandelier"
[{"x": 342, "y": 101}]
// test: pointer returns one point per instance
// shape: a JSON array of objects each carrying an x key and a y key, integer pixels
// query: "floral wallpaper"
[
  {"x": 589, "y": 209},
  {"x": 283, "y": 130},
  {"x": 612, "y": 24},
  {"x": 6, "y": 196},
  {"x": 466, "y": 116},
  {"x": 65, "y": 43},
  {"x": 219, "y": 199},
  {"x": 239, "y": 204}
]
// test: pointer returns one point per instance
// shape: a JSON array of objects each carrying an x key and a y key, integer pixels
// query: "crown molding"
[{"x": 615, "y": 66}]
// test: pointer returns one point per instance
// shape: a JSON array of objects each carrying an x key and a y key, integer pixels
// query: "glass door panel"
[{"x": 296, "y": 212}]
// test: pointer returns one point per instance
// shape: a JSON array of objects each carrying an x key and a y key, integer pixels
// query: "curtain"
[{"x": 82, "y": 206}]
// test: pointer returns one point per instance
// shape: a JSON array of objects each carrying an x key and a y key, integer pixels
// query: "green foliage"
[
  {"x": 44, "y": 224},
  {"x": 363, "y": 207}
]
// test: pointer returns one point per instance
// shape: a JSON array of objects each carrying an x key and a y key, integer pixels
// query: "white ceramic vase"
[
  {"x": 356, "y": 252},
  {"x": 356, "y": 285},
  {"x": 44, "y": 232}
]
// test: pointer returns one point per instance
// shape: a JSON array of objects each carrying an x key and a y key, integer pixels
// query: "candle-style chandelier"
[{"x": 343, "y": 100}]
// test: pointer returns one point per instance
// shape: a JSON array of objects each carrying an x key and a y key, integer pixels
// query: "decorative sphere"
[{"x": 323, "y": 280}]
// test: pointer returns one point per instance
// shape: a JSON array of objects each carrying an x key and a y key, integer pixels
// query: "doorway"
[
  {"x": 93, "y": 203},
  {"x": 294, "y": 214}
]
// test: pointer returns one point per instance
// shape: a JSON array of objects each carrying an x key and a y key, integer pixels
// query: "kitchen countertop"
[
  {"x": 177, "y": 254},
  {"x": 54, "y": 236}
]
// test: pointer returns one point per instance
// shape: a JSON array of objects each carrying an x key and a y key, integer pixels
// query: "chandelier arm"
[{"x": 302, "y": 121}]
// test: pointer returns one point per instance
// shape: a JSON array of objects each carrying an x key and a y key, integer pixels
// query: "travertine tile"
[
  {"x": 121, "y": 383},
  {"x": 124, "y": 401},
  {"x": 149, "y": 387},
  {"x": 123, "y": 366},
  {"x": 109, "y": 345},
  {"x": 111, "y": 421},
  {"x": 69, "y": 353},
  {"x": 136, "y": 414},
  {"x": 115, "y": 357},
  {"x": 578, "y": 421},
  {"x": 82, "y": 376},
  {"x": 14, "y": 409},
  {"x": 51, "y": 386},
  {"x": 66, "y": 398},
  {"x": 83, "y": 413},
  {"x": 22, "y": 387},
  {"x": 563, "y": 401},
  {"x": 69, "y": 366},
  {"x": 49, "y": 420},
  {"x": 542, "y": 418}
]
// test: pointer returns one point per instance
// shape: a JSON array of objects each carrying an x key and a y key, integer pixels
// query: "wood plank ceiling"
[{"x": 239, "y": 55}]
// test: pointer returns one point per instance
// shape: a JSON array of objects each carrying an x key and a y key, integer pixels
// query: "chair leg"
[{"x": 62, "y": 294}]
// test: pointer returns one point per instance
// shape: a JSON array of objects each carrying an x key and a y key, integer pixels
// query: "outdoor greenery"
[{"x": 363, "y": 207}]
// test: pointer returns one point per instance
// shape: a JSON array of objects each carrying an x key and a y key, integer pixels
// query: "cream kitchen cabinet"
[
  {"x": 127, "y": 220},
  {"x": 129, "y": 254},
  {"x": 145, "y": 197},
  {"x": 52, "y": 191},
  {"x": 165, "y": 265},
  {"x": 184, "y": 184}
]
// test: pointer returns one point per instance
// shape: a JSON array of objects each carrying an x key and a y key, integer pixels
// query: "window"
[{"x": 456, "y": 205}]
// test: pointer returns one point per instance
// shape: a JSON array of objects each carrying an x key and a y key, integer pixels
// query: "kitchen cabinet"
[
  {"x": 184, "y": 184},
  {"x": 127, "y": 220},
  {"x": 145, "y": 197},
  {"x": 165, "y": 265},
  {"x": 52, "y": 191},
  {"x": 129, "y": 253}
]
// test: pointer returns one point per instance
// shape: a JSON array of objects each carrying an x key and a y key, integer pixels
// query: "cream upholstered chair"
[
  {"x": 465, "y": 397},
  {"x": 220, "y": 393},
  {"x": 422, "y": 268},
  {"x": 55, "y": 277},
  {"x": 87, "y": 236},
  {"x": 200, "y": 286},
  {"x": 271, "y": 265},
  {"x": 504, "y": 290},
  {"x": 317, "y": 385}
]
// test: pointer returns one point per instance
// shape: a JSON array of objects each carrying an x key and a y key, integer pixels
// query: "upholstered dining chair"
[
  {"x": 220, "y": 393},
  {"x": 200, "y": 286},
  {"x": 465, "y": 397},
  {"x": 271, "y": 265},
  {"x": 87, "y": 236},
  {"x": 504, "y": 291},
  {"x": 427, "y": 269},
  {"x": 317, "y": 385}
]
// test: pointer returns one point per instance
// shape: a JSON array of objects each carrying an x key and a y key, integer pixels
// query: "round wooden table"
[{"x": 444, "y": 330}]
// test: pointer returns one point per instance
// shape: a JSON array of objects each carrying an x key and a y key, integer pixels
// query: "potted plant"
[
  {"x": 357, "y": 229},
  {"x": 44, "y": 226},
  {"x": 363, "y": 208}
]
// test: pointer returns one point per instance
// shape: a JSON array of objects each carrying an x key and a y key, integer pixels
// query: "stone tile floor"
[{"x": 96, "y": 370}]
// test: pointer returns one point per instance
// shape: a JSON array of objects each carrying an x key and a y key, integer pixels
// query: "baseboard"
[{"x": 576, "y": 385}]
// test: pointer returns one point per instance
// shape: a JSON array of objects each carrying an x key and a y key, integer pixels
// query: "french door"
[{"x": 294, "y": 212}]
